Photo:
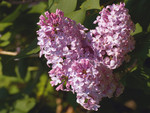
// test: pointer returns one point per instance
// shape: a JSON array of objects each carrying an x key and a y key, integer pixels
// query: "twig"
[{"x": 8, "y": 53}]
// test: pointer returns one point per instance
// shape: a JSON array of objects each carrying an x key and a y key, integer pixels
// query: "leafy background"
[{"x": 24, "y": 82}]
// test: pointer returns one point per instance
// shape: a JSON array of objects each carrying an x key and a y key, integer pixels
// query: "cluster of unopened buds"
[{"x": 83, "y": 61}]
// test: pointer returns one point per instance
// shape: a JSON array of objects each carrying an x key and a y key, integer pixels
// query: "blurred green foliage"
[{"x": 24, "y": 81}]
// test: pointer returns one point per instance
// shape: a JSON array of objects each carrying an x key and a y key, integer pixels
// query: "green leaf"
[
  {"x": 3, "y": 44},
  {"x": 7, "y": 80},
  {"x": 0, "y": 66},
  {"x": 138, "y": 29},
  {"x": 3, "y": 111},
  {"x": 90, "y": 4},
  {"x": 5, "y": 3},
  {"x": 25, "y": 104},
  {"x": 141, "y": 48},
  {"x": 39, "y": 8},
  {"x": 148, "y": 29},
  {"x": 148, "y": 53},
  {"x": 139, "y": 11},
  {"x": 13, "y": 89},
  {"x": 33, "y": 48},
  {"x": 22, "y": 68},
  {"x": 4, "y": 40},
  {"x": 66, "y": 6},
  {"x": 78, "y": 16},
  {"x": 139, "y": 79},
  {"x": 90, "y": 18},
  {"x": 3, "y": 93},
  {"x": 43, "y": 87},
  {"x": 4, "y": 25},
  {"x": 71, "y": 98},
  {"x": 15, "y": 14},
  {"x": 8, "y": 67},
  {"x": 5, "y": 37}
]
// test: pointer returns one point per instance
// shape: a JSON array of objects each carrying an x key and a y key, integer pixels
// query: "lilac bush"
[{"x": 83, "y": 61}]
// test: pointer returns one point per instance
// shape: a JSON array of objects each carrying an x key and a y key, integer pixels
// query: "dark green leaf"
[
  {"x": 142, "y": 47},
  {"x": 15, "y": 14},
  {"x": 90, "y": 18},
  {"x": 33, "y": 48},
  {"x": 22, "y": 67},
  {"x": 148, "y": 29},
  {"x": 3, "y": 93},
  {"x": 140, "y": 12},
  {"x": 71, "y": 98},
  {"x": 8, "y": 67}
]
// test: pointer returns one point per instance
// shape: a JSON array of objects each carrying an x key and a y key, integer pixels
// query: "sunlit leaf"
[
  {"x": 78, "y": 16},
  {"x": 4, "y": 40},
  {"x": 3, "y": 111},
  {"x": 5, "y": 37},
  {"x": 0, "y": 66},
  {"x": 25, "y": 104},
  {"x": 4, "y": 25},
  {"x": 38, "y": 8},
  {"x": 43, "y": 87},
  {"x": 2, "y": 2},
  {"x": 91, "y": 4},
  {"x": 138, "y": 29},
  {"x": 13, "y": 89},
  {"x": 148, "y": 29},
  {"x": 3, "y": 44},
  {"x": 7, "y": 80},
  {"x": 66, "y": 6}
]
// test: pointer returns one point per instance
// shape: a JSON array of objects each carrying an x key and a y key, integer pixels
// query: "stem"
[{"x": 8, "y": 53}]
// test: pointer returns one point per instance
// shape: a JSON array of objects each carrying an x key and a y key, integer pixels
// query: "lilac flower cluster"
[
  {"x": 92, "y": 81},
  {"x": 83, "y": 62},
  {"x": 111, "y": 39}
]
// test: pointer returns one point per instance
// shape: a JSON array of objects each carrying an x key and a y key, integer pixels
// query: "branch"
[{"x": 8, "y": 53}]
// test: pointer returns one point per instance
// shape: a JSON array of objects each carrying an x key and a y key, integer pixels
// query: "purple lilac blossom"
[
  {"x": 111, "y": 39},
  {"x": 60, "y": 40},
  {"x": 92, "y": 81},
  {"x": 83, "y": 62},
  {"x": 59, "y": 37}
]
